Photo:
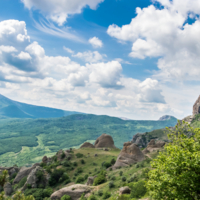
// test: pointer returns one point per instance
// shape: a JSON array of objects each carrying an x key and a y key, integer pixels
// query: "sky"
[{"x": 134, "y": 59}]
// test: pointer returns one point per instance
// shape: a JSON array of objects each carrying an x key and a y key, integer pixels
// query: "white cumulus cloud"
[{"x": 96, "y": 42}]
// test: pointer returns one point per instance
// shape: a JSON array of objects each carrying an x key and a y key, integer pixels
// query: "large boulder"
[
  {"x": 90, "y": 180},
  {"x": 34, "y": 181},
  {"x": 153, "y": 146},
  {"x": 130, "y": 154},
  {"x": 24, "y": 171},
  {"x": 104, "y": 141},
  {"x": 124, "y": 190},
  {"x": 74, "y": 191},
  {"x": 87, "y": 145},
  {"x": 140, "y": 139},
  {"x": 8, "y": 189}
]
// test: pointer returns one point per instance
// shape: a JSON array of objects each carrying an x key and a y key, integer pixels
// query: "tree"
[
  {"x": 176, "y": 171},
  {"x": 3, "y": 178}
]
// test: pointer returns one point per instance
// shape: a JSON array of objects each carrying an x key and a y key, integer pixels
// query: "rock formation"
[
  {"x": 90, "y": 180},
  {"x": 124, "y": 190},
  {"x": 130, "y": 154},
  {"x": 24, "y": 171},
  {"x": 140, "y": 140},
  {"x": 60, "y": 153},
  {"x": 11, "y": 170},
  {"x": 196, "y": 107},
  {"x": 188, "y": 119},
  {"x": 8, "y": 189},
  {"x": 104, "y": 141},
  {"x": 153, "y": 146},
  {"x": 33, "y": 180},
  {"x": 74, "y": 191},
  {"x": 87, "y": 145}
]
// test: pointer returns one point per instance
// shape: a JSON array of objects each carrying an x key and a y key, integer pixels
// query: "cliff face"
[{"x": 196, "y": 107}]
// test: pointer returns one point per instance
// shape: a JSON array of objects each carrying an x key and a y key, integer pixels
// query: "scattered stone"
[
  {"x": 106, "y": 149},
  {"x": 87, "y": 145},
  {"x": 104, "y": 141},
  {"x": 130, "y": 154},
  {"x": 74, "y": 191},
  {"x": 24, "y": 171},
  {"x": 8, "y": 189},
  {"x": 124, "y": 190},
  {"x": 90, "y": 180}
]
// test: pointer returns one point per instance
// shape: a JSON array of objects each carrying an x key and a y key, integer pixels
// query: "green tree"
[
  {"x": 176, "y": 171},
  {"x": 3, "y": 178}
]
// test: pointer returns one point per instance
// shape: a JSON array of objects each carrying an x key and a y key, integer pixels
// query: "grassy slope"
[{"x": 47, "y": 136}]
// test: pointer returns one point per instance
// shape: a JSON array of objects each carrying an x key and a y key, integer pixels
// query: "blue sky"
[{"x": 134, "y": 59}]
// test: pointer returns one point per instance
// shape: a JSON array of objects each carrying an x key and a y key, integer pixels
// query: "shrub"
[
  {"x": 29, "y": 186},
  {"x": 94, "y": 163},
  {"x": 82, "y": 161},
  {"x": 39, "y": 194},
  {"x": 120, "y": 173},
  {"x": 39, "y": 176},
  {"x": 106, "y": 195},
  {"x": 137, "y": 166},
  {"x": 55, "y": 176},
  {"x": 111, "y": 184},
  {"x": 112, "y": 162},
  {"x": 101, "y": 178},
  {"x": 100, "y": 193},
  {"x": 75, "y": 164},
  {"x": 86, "y": 176},
  {"x": 107, "y": 165},
  {"x": 47, "y": 192},
  {"x": 92, "y": 197},
  {"x": 65, "y": 178},
  {"x": 138, "y": 189},
  {"x": 67, "y": 163},
  {"x": 66, "y": 197},
  {"x": 79, "y": 170},
  {"x": 62, "y": 155},
  {"x": 80, "y": 179},
  {"x": 79, "y": 155},
  {"x": 123, "y": 178},
  {"x": 22, "y": 182},
  {"x": 145, "y": 173},
  {"x": 13, "y": 176},
  {"x": 113, "y": 178}
]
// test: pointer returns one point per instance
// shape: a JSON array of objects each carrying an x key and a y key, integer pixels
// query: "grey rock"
[
  {"x": 8, "y": 189},
  {"x": 87, "y": 145},
  {"x": 90, "y": 180},
  {"x": 124, "y": 190},
  {"x": 74, "y": 191},
  {"x": 104, "y": 141},
  {"x": 24, "y": 171},
  {"x": 154, "y": 146},
  {"x": 11, "y": 170}
]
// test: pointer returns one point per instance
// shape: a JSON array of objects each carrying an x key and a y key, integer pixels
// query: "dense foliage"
[{"x": 176, "y": 173}]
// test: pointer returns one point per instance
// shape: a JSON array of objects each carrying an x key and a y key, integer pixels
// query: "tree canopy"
[{"x": 176, "y": 171}]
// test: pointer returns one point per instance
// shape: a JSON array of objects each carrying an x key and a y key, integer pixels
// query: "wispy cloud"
[{"x": 66, "y": 32}]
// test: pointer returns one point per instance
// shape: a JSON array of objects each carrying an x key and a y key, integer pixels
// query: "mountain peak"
[{"x": 165, "y": 117}]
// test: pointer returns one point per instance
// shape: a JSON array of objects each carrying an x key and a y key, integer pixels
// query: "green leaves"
[{"x": 176, "y": 171}]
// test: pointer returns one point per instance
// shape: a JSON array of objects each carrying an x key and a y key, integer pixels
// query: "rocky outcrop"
[
  {"x": 188, "y": 119},
  {"x": 24, "y": 171},
  {"x": 8, "y": 189},
  {"x": 104, "y": 141},
  {"x": 153, "y": 146},
  {"x": 124, "y": 190},
  {"x": 165, "y": 117},
  {"x": 11, "y": 170},
  {"x": 34, "y": 181},
  {"x": 196, "y": 107},
  {"x": 87, "y": 145},
  {"x": 90, "y": 180},
  {"x": 140, "y": 140},
  {"x": 74, "y": 191},
  {"x": 130, "y": 154}
]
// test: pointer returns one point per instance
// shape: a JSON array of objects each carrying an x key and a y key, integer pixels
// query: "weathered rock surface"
[
  {"x": 140, "y": 140},
  {"x": 196, "y": 107},
  {"x": 130, "y": 154},
  {"x": 74, "y": 191},
  {"x": 33, "y": 180},
  {"x": 24, "y": 171},
  {"x": 153, "y": 146},
  {"x": 188, "y": 118},
  {"x": 124, "y": 190},
  {"x": 11, "y": 170},
  {"x": 87, "y": 145},
  {"x": 8, "y": 189},
  {"x": 90, "y": 180},
  {"x": 104, "y": 141},
  {"x": 60, "y": 153}
]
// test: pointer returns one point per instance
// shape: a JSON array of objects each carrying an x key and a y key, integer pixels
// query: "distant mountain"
[
  {"x": 166, "y": 117},
  {"x": 14, "y": 109}
]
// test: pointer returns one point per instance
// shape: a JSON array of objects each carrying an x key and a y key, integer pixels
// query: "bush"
[
  {"x": 39, "y": 176},
  {"x": 137, "y": 166},
  {"x": 94, "y": 163},
  {"x": 113, "y": 178},
  {"x": 22, "y": 182},
  {"x": 120, "y": 173},
  {"x": 145, "y": 173},
  {"x": 92, "y": 197},
  {"x": 107, "y": 165},
  {"x": 13, "y": 176},
  {"x": 29, "y": 186},
  {"x": 39, "y": 194},
  {"x": 100, "y": 193},
  {"x": 86, "y": 176},
  {"x": 64, "y": 178},
  {"x": 80, "y": 179},
  {"x": 134, "y": 178},
  {"x": 106, "y": 195},
  {"x": 112, "y": 162},
  {"x": 101, "y": 178},
  {"x": 82, "y": 161},
  {"x": 111, "y": 184},
  {"x": 66, "y": 197},
  {"x": 75, "y": 164},
  {"x": 62, "y": 155},
  {"x": 123, "y": 178},
  {"x": 67, "y": 163},
  {"x": 138, "y": 189},
  {"x": 79, "y": 155},
  {"x": 55, "y": 176}
]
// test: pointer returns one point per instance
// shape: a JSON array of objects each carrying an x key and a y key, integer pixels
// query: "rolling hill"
[
  {"x": 14, "y": 109},
  {"x": 26, "y": 141}
]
